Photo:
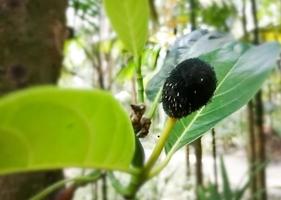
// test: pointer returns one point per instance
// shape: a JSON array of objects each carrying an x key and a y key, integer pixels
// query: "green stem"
[
  {"x": 116, "y": 184},
  {"x": 77, "y": 180},
  {"x": 143, "y": 176},
  {"x": 163, "y": 164},
  {"x": 160, "y": 144},
  {"x": 160, "y": 167},
  {"x": 51, "y": 189},
  {"x": 154, "y": 105},
  {"x": 137, "y": 60}
]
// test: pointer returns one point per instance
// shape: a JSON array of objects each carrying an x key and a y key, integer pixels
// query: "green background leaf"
[
  {"x": 48, "y": 127},
  {"x": 239, "y": 78},
  {"x": 190, "y": 45},
  {"x": 129, "y": 18}
]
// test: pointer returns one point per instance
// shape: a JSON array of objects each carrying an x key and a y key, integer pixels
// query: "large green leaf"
[
  {"x": 48, "y": 127},
  {"x": 239, "y": 78},
  {"x": 190, "y": 45},
  {"x": 129, "y": 18}
]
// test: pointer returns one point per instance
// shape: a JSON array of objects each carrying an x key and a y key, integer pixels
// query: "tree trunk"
[
  {"x": 252, "y": 148},
  {"x": 198, "y": 165},
  {"x": 153, "y": 12},
  {"x": 193, "y": 9},
  {"x": 188, "y": 168},
  {"x": 260, "y": 145},
  {"x": 104, "y": 187},
  {"x": 197, "y": 143},
  {"x": 214, "y": 154},
  {"x": 244, "y": 21},
  {"x": 31, "y": 40},
  {"x": 260, "y": 137}
]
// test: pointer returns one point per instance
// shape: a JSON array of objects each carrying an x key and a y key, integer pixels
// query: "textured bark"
[
  {"x": 25, "y": 185},
  {"x": 31, "y": 39}
]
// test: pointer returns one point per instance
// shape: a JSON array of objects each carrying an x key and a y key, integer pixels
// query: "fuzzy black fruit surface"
[{"x": 189, "y": 87}]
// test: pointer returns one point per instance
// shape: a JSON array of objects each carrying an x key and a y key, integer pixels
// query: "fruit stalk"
[
  {"x": 160, "y": 144},
  {"x": 138, "y": 180}
]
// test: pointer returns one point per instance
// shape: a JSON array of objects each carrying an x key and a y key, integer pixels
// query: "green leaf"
[
  {"x": 126, "y": 72},
  {"x": 217, "y": 14},
  {"x": 139, "y": 156},
  {"x": 239, "y": 192},
  {"x": 129, "y": 18},
  {"x": 227, "y": 193},
  {"x": 48, "y": 128},
  {"x": 214, "y": 193},
  {"x": 209, "y": 193},
  {"x": 202, "y": 193},
  {"x": 190, "y": 45},
  {"x": 239, "y": 78}
]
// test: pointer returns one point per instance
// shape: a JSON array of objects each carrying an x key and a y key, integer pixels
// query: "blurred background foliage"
[{"x": 95, "y": 58}]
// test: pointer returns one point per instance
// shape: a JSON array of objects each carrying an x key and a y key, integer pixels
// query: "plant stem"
[
  {"x": 51, "y": 189},
  {"x": 160, "y": 144},
  {"x": 144, "y": 174},
  {"x": 77, "y": 180},
  {"x": 137, "y": 60},
  {"x": 162, "y": 165},
  {"x": 154, "y": 105},
  {"x": 116, "y": 184}
]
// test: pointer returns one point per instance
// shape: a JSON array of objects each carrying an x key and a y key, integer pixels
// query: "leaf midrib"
[
  {"x": 175, "y": 146},
  {"x": 130, "y": 28}
]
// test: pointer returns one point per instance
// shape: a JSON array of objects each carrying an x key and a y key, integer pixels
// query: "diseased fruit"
[{"x": 190, "y": 85}]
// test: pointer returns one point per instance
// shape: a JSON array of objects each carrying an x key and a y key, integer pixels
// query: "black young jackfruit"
[{"x": 190, "y": 85}]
